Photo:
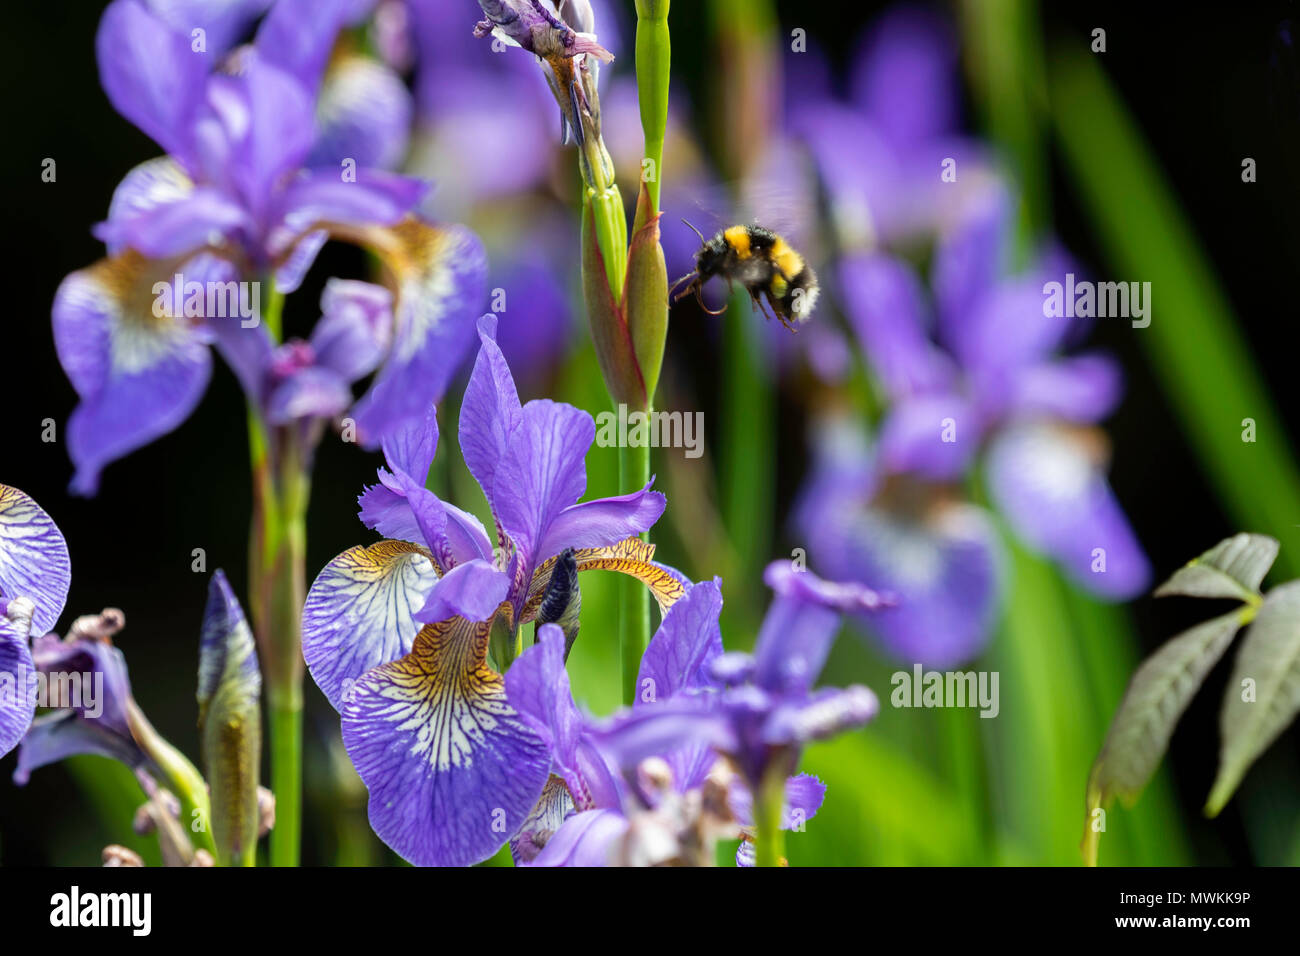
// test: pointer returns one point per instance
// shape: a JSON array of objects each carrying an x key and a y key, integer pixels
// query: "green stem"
[
  {"x": 1006, "y": 67},
  {"x": 653, "y": 65},
  {"x": 286, "y": 777},
  {"x": 277, "y": 581},
  {"x": 769, "y": 803},
  {"x": 181, "y": 776},
  {"x": 287, "y": 593},
  {"x": 634, "y": 603},
  {"x": 747, "y": 466}
]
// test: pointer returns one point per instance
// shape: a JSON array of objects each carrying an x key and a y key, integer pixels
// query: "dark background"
[{"x": 1200, "y": 86}]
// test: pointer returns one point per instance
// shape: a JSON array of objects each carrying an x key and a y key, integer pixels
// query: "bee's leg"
[
  {"x": 785, "y": 319},
  {"x": 687, "y": 290},
  {"x": 757, "y": 299},
  {"x": 699, "y": 297}
]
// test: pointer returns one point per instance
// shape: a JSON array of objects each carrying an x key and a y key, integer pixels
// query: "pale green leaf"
[
  {"x": 1233, "y": 568},
  {"x": 1156, "y": 698},
  {"x": 1270, "y": 659}
]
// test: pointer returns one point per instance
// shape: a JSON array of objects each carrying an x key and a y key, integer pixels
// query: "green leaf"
[
  {"x": 1233, "y": 568},
  {"x": 1193, "y": 337},
  {"x": 1270, "y": 659},
  {"x": 1157, "y": 696}
]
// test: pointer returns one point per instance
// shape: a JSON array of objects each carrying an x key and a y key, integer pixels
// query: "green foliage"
[{"x": 1263, "y": 695}]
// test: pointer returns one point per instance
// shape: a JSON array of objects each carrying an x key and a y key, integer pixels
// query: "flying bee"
[{"x": 764, "y": 263}]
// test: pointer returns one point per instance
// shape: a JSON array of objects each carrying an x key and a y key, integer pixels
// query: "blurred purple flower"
[
  {"x": 233, "y": 200},
  {"x": 980, "y": 369},
  {"x": 986, "y": 371},
  {"x": 881, "y": 154},
  {"x": 916, "y": 539},
  {"x": 235, "y": 177}
]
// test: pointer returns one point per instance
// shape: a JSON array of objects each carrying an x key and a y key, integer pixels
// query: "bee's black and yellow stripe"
[{"x": 788, "y": 273}]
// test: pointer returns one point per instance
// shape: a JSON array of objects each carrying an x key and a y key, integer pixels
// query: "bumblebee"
[{"x": 761, "y": 261}]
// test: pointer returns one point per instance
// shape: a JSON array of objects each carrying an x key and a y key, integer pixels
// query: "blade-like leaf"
[
  {"x": 1270, "y": 660},
  {"x": 1157, "y": 695},
  {"x": 1233, "y": 568}
]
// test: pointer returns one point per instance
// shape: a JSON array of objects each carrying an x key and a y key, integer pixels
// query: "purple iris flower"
[
  {"x": 881, "y": 151},
  {"x": 696, "y": 704},
  {"x": 981, "y": 370},
  {"x": 263, "y": 165},
  {"x": 34, "y": 581},
  {"x": 239, "y": 143},
  {"x": 310, "y": 381},
  {"x": 452, "y": 770}
]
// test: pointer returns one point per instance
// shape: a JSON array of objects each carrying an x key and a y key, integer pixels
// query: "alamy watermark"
[
  {"x": 208, "y": 300},
  {"x": 921, "y": 688},
  {"x": 624, "y": 429},
  {"x": 1102, "y": 300},
  {"x": 82, "y": 691}
]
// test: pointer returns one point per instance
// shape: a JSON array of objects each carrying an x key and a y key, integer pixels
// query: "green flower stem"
[
  {"x": 281, "y": 591},
  {"x": 277, "y": 582},
  {"x": 181, "y": 777},
  {"x": 747, "y": 460},
  {"x": 1006, "y": 68},
  {"x": 634, "y": 603},
  {"x": 769, "y": 804},
  {"x": 653, "y": 67}
]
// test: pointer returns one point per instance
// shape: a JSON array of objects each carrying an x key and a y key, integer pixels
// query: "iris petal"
[
  {"x": 473, "y": 590},
  {"x": 150, "y": 74},
  {"x": 1056, "y": 497},
  {"x": 17, "y": 704},
  {"x": 804, "y": 794},
  {"x": 97, "y": 721},
  {"x": 537, "y": 686},
  {"x": 33, "y": 558},
  {"x": 359, "y": 613},
  {"x": 603, "y": 521},
  {"x": 585, "y": 839},
  {"x": 139, "y": 375},
  {"x": 442, "y": 281},
  {"x": 452, "y": 770},
  {"x": 363, "y": 113},
  {"x": 544, "y": 473},
  {"x": 490, "y": 411}
]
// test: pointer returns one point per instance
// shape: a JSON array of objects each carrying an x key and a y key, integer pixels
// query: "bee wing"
[{"x": 781, "y": 195}]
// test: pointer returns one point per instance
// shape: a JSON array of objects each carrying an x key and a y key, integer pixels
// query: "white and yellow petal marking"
[
  {"x": 154, "y": 183},
  {"x": 120, "y": 290},
  {"x": 440, "y": 277},
  {"x": 359, "y": 612},
  {"x": 452, "y": 771}
]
